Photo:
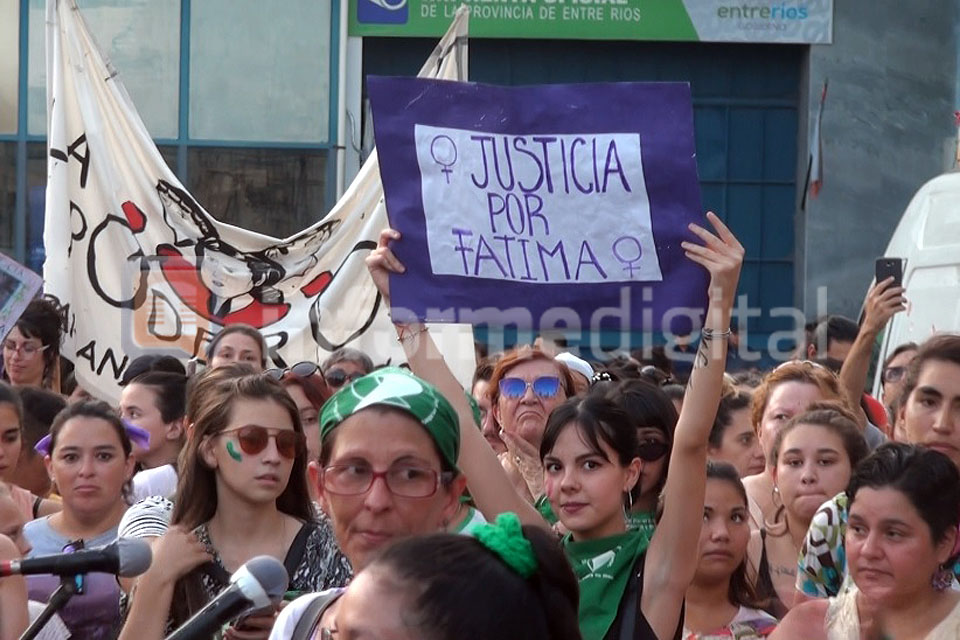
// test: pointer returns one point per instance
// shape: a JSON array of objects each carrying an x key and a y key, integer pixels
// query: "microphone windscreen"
[
  {"x": 271, "y": 575},
  {"x": 135, "y": 557}
]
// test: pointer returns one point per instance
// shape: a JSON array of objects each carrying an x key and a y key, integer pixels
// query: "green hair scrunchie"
[{"x": 505, "y": 538}]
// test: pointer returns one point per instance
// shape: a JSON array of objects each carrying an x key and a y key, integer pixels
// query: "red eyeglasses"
[{"x": 253, "y": 439}]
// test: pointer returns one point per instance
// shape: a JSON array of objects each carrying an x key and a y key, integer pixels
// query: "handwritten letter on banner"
[{"x": 542, "y": 207}]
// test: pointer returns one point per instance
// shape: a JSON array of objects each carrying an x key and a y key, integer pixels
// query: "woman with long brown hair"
[{"x": 242, "y": 492}]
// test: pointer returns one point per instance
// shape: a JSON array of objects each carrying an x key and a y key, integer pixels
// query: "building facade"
[{"x": 260, "y": 109}]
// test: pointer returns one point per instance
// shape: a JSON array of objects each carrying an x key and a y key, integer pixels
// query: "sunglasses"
[
  {"x": 308, "y": 377},
  {"x": 543, "y": 387},
  {"x": 339, "y": 377},
  {"x": 300, "y": 370},
  {"x": 652, "y": 450},
  {"x": 253, "y": 439}
]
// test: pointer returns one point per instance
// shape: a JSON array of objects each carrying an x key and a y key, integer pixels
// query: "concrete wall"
[{"x": 887, "y": 129}]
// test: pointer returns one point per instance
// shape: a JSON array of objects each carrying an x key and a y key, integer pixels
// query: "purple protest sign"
[{"x": 541, "y": 207}]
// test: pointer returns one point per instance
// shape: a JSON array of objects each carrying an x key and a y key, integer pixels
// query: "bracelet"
[
  {"x": 710, "y": 334},
  {"x": 404, "y": 333}
]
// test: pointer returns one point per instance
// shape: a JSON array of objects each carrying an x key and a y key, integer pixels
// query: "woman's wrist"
[{"x": 407, "y": 332}]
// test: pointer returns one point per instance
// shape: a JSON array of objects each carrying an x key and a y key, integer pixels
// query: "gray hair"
[{"x": 346, "y": 354}]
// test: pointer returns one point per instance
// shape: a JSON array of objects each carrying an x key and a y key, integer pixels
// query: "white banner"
[{"x": 143, "y": 268}]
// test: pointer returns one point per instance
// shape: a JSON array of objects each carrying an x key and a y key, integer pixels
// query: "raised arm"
[
  {"x": 489, "y": 485},
  {"x": 883, "y": 302},
  {"x": 673, "y": 553}
]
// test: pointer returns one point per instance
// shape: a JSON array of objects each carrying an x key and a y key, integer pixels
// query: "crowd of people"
[{"x": 555, "y": 499}]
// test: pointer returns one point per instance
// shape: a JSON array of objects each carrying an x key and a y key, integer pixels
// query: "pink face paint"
[
  {"x": 234, "y": 453},
  {"x": 551, "y": 487}
]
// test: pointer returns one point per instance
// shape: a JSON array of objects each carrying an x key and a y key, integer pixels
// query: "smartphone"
[{"x": 887, "y": 267}]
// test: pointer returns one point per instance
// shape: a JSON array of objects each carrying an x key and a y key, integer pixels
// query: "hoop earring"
[{"x": 775, "y": 497}]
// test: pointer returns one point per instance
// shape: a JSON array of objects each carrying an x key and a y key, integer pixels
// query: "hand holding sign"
[
  {"x": 381, "y": 262},
  {"x": 541, "y": 207}
]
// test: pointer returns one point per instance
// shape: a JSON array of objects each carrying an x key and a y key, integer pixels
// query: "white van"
[{"x": 928, "y": 236}]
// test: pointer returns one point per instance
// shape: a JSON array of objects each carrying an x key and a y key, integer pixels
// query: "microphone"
[
  {"x": 261, "y": 582},
  {"x": 127, "y": 557}
]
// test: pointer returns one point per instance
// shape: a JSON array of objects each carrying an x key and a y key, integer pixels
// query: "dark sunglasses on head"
[
  {"x": 301, "y": 370},
  {"x": 308, "y": 377},
  {"x": 253, "y": 439},
  {"x": 893, "y": 374},
  {"x": 652, "y": 450},
  {"x": 544, "y": 386},
  {"x": 339, "y": 377}
]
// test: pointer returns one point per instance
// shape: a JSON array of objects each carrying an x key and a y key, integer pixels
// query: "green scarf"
[
  {"x": 603, "y": 570},
  {"x": 398, "y": 388}
]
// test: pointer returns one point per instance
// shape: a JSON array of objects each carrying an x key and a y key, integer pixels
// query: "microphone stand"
[{"x": 69, "y": 586}]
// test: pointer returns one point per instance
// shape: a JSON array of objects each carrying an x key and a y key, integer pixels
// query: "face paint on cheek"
[
  {"x": 550, "y": 486},
  {"x": 234, "y": 453}
]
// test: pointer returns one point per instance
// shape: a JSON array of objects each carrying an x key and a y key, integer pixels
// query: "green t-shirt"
[{"x": 603, "y": 570}]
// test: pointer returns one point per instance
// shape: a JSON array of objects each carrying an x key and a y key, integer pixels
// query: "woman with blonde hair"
[
  {"x": 785, "y": 392},
  {"x": 813, "y": 456},
  {"x": 527, "y": 384}
]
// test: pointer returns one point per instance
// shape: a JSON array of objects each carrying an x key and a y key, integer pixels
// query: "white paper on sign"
[{"x": 536, "y": 208}]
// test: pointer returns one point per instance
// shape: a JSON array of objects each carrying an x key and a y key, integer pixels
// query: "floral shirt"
[
  {"x": 748, "y": 624},
  {"x": 822, "y": 565}
]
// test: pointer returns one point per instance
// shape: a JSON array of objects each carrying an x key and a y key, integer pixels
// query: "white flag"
[{"x": 143, "y": 268}]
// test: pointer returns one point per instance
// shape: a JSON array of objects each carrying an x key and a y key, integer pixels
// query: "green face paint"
[{"x": 234, "y": 453}]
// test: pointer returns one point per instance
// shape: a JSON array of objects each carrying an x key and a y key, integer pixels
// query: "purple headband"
[{"x": 138, "y": 436}]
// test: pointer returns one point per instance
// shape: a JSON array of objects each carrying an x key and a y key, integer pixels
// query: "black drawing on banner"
[
  {"x": 72, "y": 152},
  {"x": 78, "y": 226}
]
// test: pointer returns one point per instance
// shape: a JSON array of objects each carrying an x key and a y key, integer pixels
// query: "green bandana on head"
[
  {"x": 396, "y": 387},
  {"x": 474, "y": 409}
]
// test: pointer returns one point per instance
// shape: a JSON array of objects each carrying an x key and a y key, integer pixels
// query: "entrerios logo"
[
  {"x": 382, "y": 11},
  {"x": 783, "y": 11}
]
